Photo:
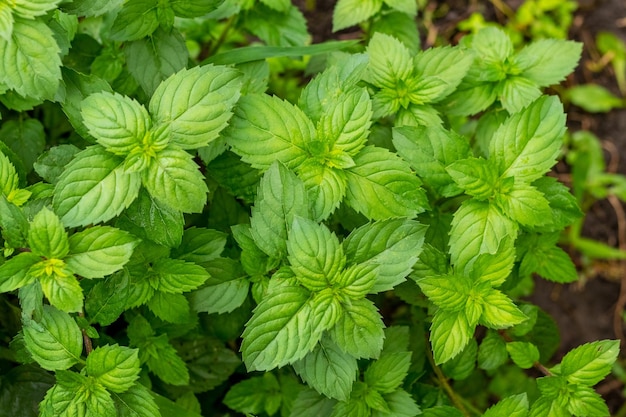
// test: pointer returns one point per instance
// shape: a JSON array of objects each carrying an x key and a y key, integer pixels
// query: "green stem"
[{"x": 220, "y": 41}]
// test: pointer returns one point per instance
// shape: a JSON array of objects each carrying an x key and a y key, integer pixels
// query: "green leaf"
[
  {"x": 394, "y": 245},
  {"x": 6, "y": 22},
  {"x": 449, "y": 334},
  {"x": 400, "y": 403},
  {"x": 280, "y": 130},
  {"x": 115, "y": 367},
  {"x": 55, "y": 342},
  {"x": 513, "y": 406},
  {"x": 137, "y": 401},
  {"x": 175, "y": 179},
  {"x": 406, "y": 6},
  {"x": 309, "y": 403},
  {"x": 387, "y": 373},
  {"x": 429, "y": 151},
  {"x": 357, "y": 281},
  {"x": 254, "y": 395},
  {"x": 151, "y": 60},
  {"x": 47, "y": 236},
  {"x": 499, "y": 311},
  {"x": 196, "y": 104},
  {"x": 492, "y": 351},
  {"x": 118, "y": 123},
  {"x": 590, "y": 363},
  {"x": 526, "y": 146},
  {"x": 325, "y": 185},
  {"x": 164, "y": 361},
  {"x": 390, "y": 60},
  {"x": 584, "y": 401},
  {"x": 495, "y": 268},
  {"x": 594, "y": 98},
  {"x": 315, "y": 254},
  {"x": 107, "y": 300},
  {"x": 94, "y": 188},
  {"x": 381, "y": 185},
  {"x": 475, "y": 176},
  {"x": 90, "y": 8},
  {"x": 136, "y": 19},
  {"x": 440, "y": 71},
  {"x": 100, "y": 251},
  {"x": 32, "y": 8},
  {"x": 517, "y": 93},
  {"x": 478, "y": 227},
  {"x": 549, "y": 261},
  {"x": 523, "y": 354},
  {"x": 14, "y": 273},
  {"x": 63, "y": 291},
  {"x": 200, "y": 245},
  {"x": 351, "y": 12},
  {"x": 462, "y": 365},
  {"x": 32, "y": 46},
  {"x": 269, "y": 339},
  {"x": 448, "y": 292},
  {"x": 329, "y": 370},
  {"x": 276, "y": 28},
  {"x": 225, "y": 290},
  {"x": 25, "y": 137},
  {"x": 176, "y": 276},
  {"x": 548, "y": 61},
  {"x": 492, "y": 44},
  {"x": 525, "y": 204},
  {"x": 150, "y": 219},
  {"x": 401, "y": 26},
  {"x": 9, "y": 180},
  {"x": 280, "y": 198},
  {"x": 442, "y": 411},
  {"x": 359, "y": 330}
]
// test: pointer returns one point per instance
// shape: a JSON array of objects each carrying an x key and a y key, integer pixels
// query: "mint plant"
[{"x": 176, "y": 241}]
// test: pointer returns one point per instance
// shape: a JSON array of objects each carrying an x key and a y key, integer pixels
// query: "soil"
[{"x": 590, "y": 309}]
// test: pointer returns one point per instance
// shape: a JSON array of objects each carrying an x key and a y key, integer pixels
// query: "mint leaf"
[
  {"x": 107, "y": 300},
  {"x": 91, "y": 7},
  {"x": 429, "y": 151},
  {"x": 280, "y": 198},
  {"x": 99, "y": 251},
  {"x": 475, "y": 176},
  {"x": 14, "y": 273},
  {"x": 50, "y": 164},
  {"x": 513, "y": 406},
  {"x": 492, "y": 44},
  {"x": 163, "y": 360},
  {"x": 548, "y": 260},
  {"x": 536, "y": 148},
  {"x": 200, "y": 245},
  {"x": 195, "y": 104},
  {"x": 329, "y": 370},
  {"x": 478, "y": 227},
  {"x": 449, "y": 292},
  {"x": 400, "y": 403},
  {"x": 33, "y": 8},
  {"x": 47, "y": 236},
  {"x": 24, "y": 137},
  {"x": 56, "y": 341},
  {"x": 590, "y": 363},
  {"x": 136, "y": 19},
  {"x": 287, "y": 29},
  {"x": 267, "y": 340},
  {"x": 31, "y": 46},
  {"x": 517, "y": 93},
  {"x": 584, "y": 401},
  {"x": 63, "y": 291},
  {"x": 492, "y": 351},
  {"x": 151, "y": 60},
  {"x": 281, "y": 132},
  {"x": 390, "y": 61},
  {"x": 525, "y": 204},
  {"x": 84, "y": 193},
  {"x": 499, "y": 311},
  {"x": 325, "y": 185},
  {"x": 115, "y": 367},
  {"x": 351, "y": 12},
  {"x": 254, "y": 395},
  {"x": 495, "y": 268},
  {"x": 449, "y": 334},
  {"x": 315, "y": 254},
  {"x": 386, "y": 183},
  {"x": 137, "y": 401},
  {"x": 548, "y": 61},
  {"x": 225, "y": 290},
  {"x": 174, "y": 179},
  {"x": 359, "y": 330},
  {"x": 357, "y": 281},
  {"x": 176, "y": 276},
  {"x": 394, "y": 245},
  {"x": 386, "y": 374},
  {"x": 309, "y": 403},
  {"x": 118, "y": 123},
  {"x": 440, "y": 70},
  {"x": 523, "y": 354}
]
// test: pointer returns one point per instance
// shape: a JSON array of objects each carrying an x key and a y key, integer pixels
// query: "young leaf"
[
  {"x": 164, "y": 361},
  {"x": 386, "y": 374},
  {"x": 401, "y": 404},
  {"x": 478, "y": 227},
  {"x": 281, "y": 197},
  {"x": 14, "y": 273},
  {"x": 381, "y": 185},
  {"x": 351, "y": 12},
  {"x": 448, "y": 292},
  {"x": 283, "y": 329},
  {"x": 527, "y": 144},
  {"x": 329, "y": 370},
  {"x": 315, "y": 254},
  {"x": 174, "y": 179},
  {"x": 492, "y": 44},
  {"x": 449, "y": 334},
  {"x": 548, "y": 61},
  {"x": 549, "y": 261},
  {"x": 590, "y": 363},
  {"x": 32, "y": 46},
  {"x": 176, "y": 276},
  {"x": 495, "y": 268},
  {"x": 137, "y": 401},
  {"x": 475, "y": 176},
  {"x": 359, "y": 330},
  {"x": 523, "y": 354},
  {"x": 325, "y": 185},
  {"x": 584, "y": 401},
  {"x": 115, "y": 367},
  {"x": 99, "y": 251},
  {"x": 394, "y": 245},
  {"x": 499, "y": 311},
  {"x": 225, "y": 290},
  {"x": 118, "y": 123},
  {"x": 94, "y": 188},
  {"x": 280, "y": 130},
  {"x": 196, "y": 104},
  {"x": 63, "y": 291},
  {"x": 517, "y": 93},
  {"x": 356, "y": 281},
  {"x": 492, "y": 351},
  {"x": 390, "y": 61},
  {"x": 47, "y": 236},
  {"x": 440, "y": 70},
  {"x": 55, "y": 342},
  {"x": 513, "y": 406}
]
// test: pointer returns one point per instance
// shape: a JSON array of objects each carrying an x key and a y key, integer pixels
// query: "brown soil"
[{"x": 590, "y": 309}]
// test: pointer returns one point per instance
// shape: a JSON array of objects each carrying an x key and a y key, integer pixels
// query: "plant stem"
[{"x": 86, "y": 338}]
